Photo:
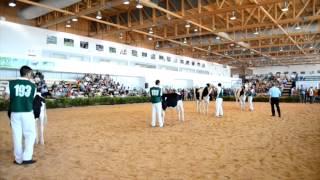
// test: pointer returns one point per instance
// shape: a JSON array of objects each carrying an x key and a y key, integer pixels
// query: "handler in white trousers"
[
  {"x": 156, "y": 94},
  {"x": 251, "y": 94},
  {"x": 219, "y": 100},
  {"x": 21, "y": 93}
]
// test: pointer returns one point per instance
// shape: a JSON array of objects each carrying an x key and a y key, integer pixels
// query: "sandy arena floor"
[{"x": 116, "y": 142}]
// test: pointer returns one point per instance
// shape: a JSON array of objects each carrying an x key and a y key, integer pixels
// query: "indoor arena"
[{"x": 159, "y": 89}]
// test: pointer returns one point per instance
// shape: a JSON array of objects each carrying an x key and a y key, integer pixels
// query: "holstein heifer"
[
  {"x": 202, "y": 97},
  {"x": 173, "y": 100}
]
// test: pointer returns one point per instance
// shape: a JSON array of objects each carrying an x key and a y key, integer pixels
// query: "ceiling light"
[
  {"x": 139, "y": 5},
  {"x": 281, "y": 49},
  {"x": 256, "y": 32},
  {"x": 150, "y": 31},
  {"x": 157, "y": 44},
  {"x": 121, "y": 36},
  {"x": 233, "y": 17},
  {"x": 68, "y": 24},
  {"x": 126, "y": 2},
  {"x": 99, "y": 15},
  {"x": 231, "y": 44},
  {"x": 150, "y": 38},
  {"x": 12, "y": 3},
  {"x": 185, "y": 41},
  {"x": 311, "y": 47},
  {"x": 243, "y": 49},
  {"x": 209, "y": 48},
  {"x": 285, "y": 8},
  {"x": 187, "y": 25},
  {"x": 218, "y": 38},
  {"x": 195, "y": 30},
  {"x": 74, "y": 19},
  {"x": 297, "y": 27},
  {"x": 251, "y": 52}
]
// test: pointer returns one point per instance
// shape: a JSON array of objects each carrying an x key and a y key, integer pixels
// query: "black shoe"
[
  {"x": 16, "y": 163},
  {"x": 29, "y": 162}
]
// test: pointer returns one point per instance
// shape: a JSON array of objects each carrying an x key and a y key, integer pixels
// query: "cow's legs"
[
  {"x": 163, "y": 114},
  {"x": 41, "y": 119},
  {"x": 37, "y": 130},
  {"x": 198, "y": 105},
  {"x": 180, "y": 110}
]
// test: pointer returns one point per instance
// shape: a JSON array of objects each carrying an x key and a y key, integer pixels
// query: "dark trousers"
[{"x": 275, "y": 101}]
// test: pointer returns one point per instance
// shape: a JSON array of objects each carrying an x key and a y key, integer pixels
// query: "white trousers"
[
  {"x": 219, "y": 110},
  {"x": 243, "y": 102},
  {"x": 157, "y": 113},
  {"x": 23, "y": 125},
  {"x": 250, "y": 100}
]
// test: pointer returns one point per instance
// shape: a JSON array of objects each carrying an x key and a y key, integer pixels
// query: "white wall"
[
  {"x": 308, "y": 69},
  {"x": 25, "y": 45}
]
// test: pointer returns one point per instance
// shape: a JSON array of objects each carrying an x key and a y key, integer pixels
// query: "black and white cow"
[
  {"x": 202, "y": 97},
  {"x": 173, "y": 100}
]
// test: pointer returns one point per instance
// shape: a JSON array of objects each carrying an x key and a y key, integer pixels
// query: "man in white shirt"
[{"x": 275, "y": 94}]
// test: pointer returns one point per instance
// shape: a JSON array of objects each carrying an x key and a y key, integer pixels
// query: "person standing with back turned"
[
  {"x": 219, "y": 100},
  {"x": 21, "y": 93},
  {"x": 156, "y": 93},
  {"x": 275, "y": 94}
]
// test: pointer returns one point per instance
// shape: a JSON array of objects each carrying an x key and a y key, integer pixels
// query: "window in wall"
[
  {"x": 175, "y": 60},
  {"x": 134, "y": 53},
  {"x": 51, "y": 39},
  {"x": 187, "y": 62},
  {"x": 286, "y": 72},
  {"x": 181, "y": 61},
  {"x": 168, "y": 59},
  {"x": 302, "y": 72},
  {"x": 318, "y": 71},
  {"x": 198, "y": 64},
  {"x": 193, "y": 63},
  {"x": 99, "y": 47},
  {"x": 153, "y": 56},
  {"x": 144, "y": 54},
  {"x": 68, "y": 42},
  {"x": 161, "y": 57},
  {"x": 311, "y": 72},
  {"x": 84, "y": 44},
  {"x": 123, "y": 52},
  {"x": 203, "y": 65},
  {"x": 112, "y": 50}
]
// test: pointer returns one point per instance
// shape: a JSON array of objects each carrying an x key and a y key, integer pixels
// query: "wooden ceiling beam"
[
  {"x": 90, "y": 10},
  {"x": 279, "y": 26}
]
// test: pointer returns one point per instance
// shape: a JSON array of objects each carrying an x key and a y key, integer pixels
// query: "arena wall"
[{"x": 63, "y": 56}]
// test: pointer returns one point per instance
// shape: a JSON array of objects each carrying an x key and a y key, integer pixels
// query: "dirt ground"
[{"x": 117, "y": 142}]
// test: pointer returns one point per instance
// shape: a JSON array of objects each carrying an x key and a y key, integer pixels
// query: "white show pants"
[
  {"x": 250, "y": 100},
  {"x": 219, "y": 110},
  {"x": 23, "y": 125},
  {"x": 243, "y": 102},
  {"x": 157, "y": 113}
]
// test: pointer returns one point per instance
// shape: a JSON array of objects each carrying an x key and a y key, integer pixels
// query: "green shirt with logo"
[
  {"x": 155, "y": 93},
  {"x": 21, "y": 95}
]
